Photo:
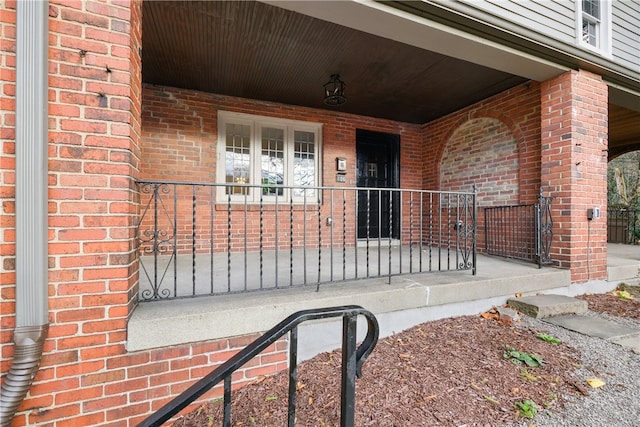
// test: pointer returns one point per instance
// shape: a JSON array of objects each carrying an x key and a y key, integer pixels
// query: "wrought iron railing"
[
  {"x": 209, "y": 239},
  {"x": 352, "y": 360},
  {"x": 520, "y": 231},
  {"x": 623, "y": 225}
]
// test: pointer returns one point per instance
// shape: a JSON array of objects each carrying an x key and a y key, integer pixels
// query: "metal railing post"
[{"x": 348, "y": 394}]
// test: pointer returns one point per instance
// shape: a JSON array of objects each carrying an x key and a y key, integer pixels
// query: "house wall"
[
  {"x": 555, "y": 22},
  {"x": 494, "y": 145},
  {"x": 86, "y": 376},
  {"x": 99, "y": 144},
  {"x": 180, "y": 139}
]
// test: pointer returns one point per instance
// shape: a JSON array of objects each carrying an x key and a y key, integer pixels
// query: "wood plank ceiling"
[{"x": 258, "y": 51}]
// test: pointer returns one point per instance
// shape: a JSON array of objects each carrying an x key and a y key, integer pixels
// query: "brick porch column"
[{"x": 574, "y": 138}]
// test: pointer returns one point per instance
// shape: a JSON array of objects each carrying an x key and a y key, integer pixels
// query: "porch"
[{"x": 399, "y": 303}]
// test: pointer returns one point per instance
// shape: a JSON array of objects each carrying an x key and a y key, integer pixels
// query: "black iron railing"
[
  {"x": 520, "y": 231},
  {"x": 352, "y": 360},
  {"x": 623, "y": 226},
  {"x": 209, "y": 239}
]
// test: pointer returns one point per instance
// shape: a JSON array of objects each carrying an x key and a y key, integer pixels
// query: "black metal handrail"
[{"x": 352, "y": 360}]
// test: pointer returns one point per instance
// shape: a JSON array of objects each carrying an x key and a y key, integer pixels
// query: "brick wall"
[
  {"x": 494, "y": 144},
  {"x": 512, "y": 118},
  {"x": 102, "y": 136},
  {"x": 180, "y": 131},
  {"x": 86, "y": 376},
  {"x": 574, "y": 143}
]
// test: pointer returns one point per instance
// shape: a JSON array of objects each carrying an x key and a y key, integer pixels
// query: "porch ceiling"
[{"x": 258, "y": 51}]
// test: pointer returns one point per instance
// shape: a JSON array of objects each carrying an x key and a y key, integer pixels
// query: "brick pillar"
[{"x": 574, "y": 129}]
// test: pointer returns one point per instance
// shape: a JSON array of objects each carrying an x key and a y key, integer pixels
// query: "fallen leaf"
[
  {"x": 595, "y": 382},
  {"x": 489, "y": 315},
  {"x": 492, "y": 399},
  {"x": 624, "y": 295}
]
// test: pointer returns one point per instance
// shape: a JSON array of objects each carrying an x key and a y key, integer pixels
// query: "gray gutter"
[{"x": 32, "y": 18}]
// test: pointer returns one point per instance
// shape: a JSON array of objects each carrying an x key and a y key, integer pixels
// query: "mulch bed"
[
  {"x": 613, "y": 305},
  {"x": 449, "y": 372}
]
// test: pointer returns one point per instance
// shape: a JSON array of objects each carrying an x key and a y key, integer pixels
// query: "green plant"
[
  {"x": 518, "y": 357},
  {"x": 527, "y": 409},
  {"x": 548, "y": 338}
]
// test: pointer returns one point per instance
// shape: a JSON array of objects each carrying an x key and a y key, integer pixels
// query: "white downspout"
[{"x": 31, "y": 199}]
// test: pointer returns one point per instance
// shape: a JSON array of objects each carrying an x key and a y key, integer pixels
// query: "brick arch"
[{"x": 482, "y": 150}]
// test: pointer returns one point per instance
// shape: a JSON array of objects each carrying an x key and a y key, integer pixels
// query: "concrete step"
[{"x": 543, "y": 306}]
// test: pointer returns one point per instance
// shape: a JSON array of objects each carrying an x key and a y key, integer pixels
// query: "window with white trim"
[
  {"x": 273, "y": 154},
  {"x": 594, "y": 24}
]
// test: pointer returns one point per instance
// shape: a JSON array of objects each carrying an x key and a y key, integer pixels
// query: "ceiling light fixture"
[{"x": 334, "y": 91}]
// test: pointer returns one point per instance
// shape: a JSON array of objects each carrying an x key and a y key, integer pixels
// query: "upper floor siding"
[{"x": 557, "y": 24}]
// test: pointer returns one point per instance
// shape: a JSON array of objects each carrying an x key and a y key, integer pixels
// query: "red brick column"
[{"x": 574, "y": 125}]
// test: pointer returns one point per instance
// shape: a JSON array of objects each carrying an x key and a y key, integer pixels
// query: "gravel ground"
[{"x": 617, "y": 404}]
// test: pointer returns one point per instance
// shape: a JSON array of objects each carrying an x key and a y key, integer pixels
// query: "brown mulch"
[
  {"x": 449, "y": 372},
  {"x": 613, "y": 305}
]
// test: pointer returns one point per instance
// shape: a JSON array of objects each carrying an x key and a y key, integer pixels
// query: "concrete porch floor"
[{"x": 404, "y": 302}]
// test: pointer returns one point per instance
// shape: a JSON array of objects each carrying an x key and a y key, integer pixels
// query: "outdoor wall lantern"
[{"x": 334, "y": 91}]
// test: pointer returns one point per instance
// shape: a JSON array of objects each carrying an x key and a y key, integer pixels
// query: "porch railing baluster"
[
  {"x": 319, "y": 247},
  {"x": 211, "y": 242},
  {"x": 229, "y": 241},
  {"x": 277, "y": 245},
  {"x": 390, "y": 231},
  {"x": 389, "y": 219},
  {"x": 344, "y": 235},
  {"x": 245, "y": 239},
  {"x": 331, "y": 215},
  {"x": 520, "y": 231},
  {"x": 304, "y": 235},
  {"x": 175, "y": 240},
  {"x": 261, "y": 236},
  {"x": 291, "y": 241},
  {"x": 410, "y": 233},
  {"x": 193, "y": 241}
]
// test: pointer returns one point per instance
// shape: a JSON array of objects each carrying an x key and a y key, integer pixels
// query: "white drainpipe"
[{"x": 31, "y": 203}]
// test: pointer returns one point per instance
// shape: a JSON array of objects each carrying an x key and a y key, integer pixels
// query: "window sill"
[{"x": 256, "y": 206}]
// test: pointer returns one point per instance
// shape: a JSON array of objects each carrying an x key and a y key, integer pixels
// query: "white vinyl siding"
[
  {"x": 552, "y": 18},
  {"x": 541, "y": 20},
  {"x": 626, "y": 34}
]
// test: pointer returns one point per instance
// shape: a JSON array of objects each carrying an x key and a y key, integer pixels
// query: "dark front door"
[{"x": 378, "y": 167}]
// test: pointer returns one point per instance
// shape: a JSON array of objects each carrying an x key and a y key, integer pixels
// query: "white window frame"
[
  {"x": 603, "y": 44},
  {"x": 256, "y": 124}
]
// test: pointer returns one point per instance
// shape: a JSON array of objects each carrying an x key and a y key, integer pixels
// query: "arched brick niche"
[{"x": 482, "y": 151}]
